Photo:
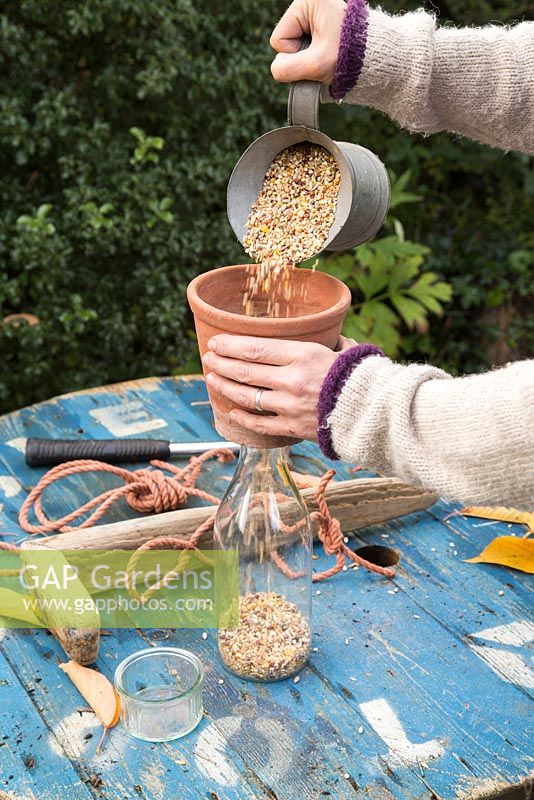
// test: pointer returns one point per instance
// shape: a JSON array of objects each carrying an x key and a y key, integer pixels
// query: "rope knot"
[
  {"x": 331, "y": 536},
  {"x": 329, "y": 532},
  {"x": 153, "y": 492},
  {"x": 146, "y": 490}
]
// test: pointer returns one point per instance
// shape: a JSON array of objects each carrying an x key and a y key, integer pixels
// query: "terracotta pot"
[{"x": 216, "y": 299}]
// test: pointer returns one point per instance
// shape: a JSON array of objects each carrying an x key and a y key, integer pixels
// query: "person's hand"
[
  {"x": 322, "y": 20},
  {"x": 291, "y": 373}
]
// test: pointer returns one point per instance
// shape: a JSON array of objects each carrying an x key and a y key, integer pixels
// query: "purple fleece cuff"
[
  {"x": 352, "y": 46},
  {"x": 334, "y": 382}
]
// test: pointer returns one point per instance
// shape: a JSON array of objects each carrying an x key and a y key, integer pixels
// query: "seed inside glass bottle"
[{"x": 272, "y": 640}]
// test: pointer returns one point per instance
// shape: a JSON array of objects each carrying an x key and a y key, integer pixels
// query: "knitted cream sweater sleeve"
[
  {"x": 476, "y": 82},
  {"x": 471, "y": 439}
]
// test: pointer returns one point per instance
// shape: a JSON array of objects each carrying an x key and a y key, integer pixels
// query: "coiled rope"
[{"x": 166, "y": 487}]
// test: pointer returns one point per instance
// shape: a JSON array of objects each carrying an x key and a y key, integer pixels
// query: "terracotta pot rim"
[{"x": 312, "y": 322}]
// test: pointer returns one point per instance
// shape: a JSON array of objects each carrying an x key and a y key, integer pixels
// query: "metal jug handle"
[{"x": 303, "y": 100}]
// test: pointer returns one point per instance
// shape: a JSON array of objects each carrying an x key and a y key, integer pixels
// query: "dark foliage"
[{"x": 120, "y": 121}]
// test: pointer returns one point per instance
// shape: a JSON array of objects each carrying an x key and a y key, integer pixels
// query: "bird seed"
[
  {"x": 289, "y": 222},
  {"x": 272, "y": 640}
]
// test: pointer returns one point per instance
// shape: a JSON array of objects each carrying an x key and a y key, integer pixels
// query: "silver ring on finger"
[{"x": 257, "y": 400}]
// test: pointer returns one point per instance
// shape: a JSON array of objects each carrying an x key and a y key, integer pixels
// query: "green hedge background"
[{"x": 120, "y": 121}]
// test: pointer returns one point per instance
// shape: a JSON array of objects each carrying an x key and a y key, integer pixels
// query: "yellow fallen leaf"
[
  {"x": 509, "y": 551},
  {"x": 98, "y": 692},
  {"x": 501, "y": 514},
  {"x": 12, "y": 606}
]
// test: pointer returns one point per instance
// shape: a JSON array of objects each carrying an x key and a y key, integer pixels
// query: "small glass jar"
[
  {"x": 160, "y": 693},
  {"x": 264, "y": 518}
]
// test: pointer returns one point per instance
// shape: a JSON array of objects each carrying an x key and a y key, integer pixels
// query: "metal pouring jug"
[{"x": 364, "y": 191}]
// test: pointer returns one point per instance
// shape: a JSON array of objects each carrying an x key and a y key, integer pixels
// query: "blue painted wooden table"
[{"x": 417, "y": 688}]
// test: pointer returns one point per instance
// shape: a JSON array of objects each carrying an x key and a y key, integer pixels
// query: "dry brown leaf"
[
  {"x": 305, "y": 481},
  {"x": 98, "y": 692},
  {"x": 501, "y": 514},
  {"x": 509, "y": 551}
]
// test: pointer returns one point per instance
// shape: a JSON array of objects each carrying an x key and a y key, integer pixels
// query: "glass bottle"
[{"x": 263, "y": 516}]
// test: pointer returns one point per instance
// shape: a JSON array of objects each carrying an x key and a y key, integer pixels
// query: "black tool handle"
[{"x": 48, "y": 452}]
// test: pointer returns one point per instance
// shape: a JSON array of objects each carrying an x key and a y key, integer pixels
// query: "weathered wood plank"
[
  {"x": 405, "y": 653},
  {"x": 158, "y": 772},
  {"x": 439, "y": 720},
  {"x": 31, "y": 768},
  {"x": 246, "y": 734},
  {"x": 494, "y": 608}
]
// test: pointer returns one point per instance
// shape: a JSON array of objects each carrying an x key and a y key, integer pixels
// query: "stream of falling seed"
[{"x": 289, "y": 223}]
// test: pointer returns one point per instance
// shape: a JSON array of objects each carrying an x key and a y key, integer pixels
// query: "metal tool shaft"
[{"x": 193, "y": 448}]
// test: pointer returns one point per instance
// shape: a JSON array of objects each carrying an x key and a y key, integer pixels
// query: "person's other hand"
[
  {"x": 291, "y": 373},
  {"x": 320, "y": 19}
]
